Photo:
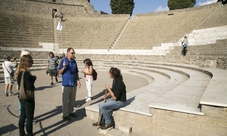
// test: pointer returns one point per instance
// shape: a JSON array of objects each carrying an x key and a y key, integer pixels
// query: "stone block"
[
  {"x": 198, "y": 132},
  {"x": 137, "y": 117},
  {"x": 137, "y": 129},
  {"x": 202, "y": 119},
  {"x": 159, "y": 116},
  {"x": 159, "y": 123},
  {"x": 189, "y": 123},
  {"x": 169, "y": 126},
  {"x": 125, "y": 128},
  {"x": 179, "y": 114},
  {"x": 221, "y": 122},
  {"x": 172, "y": 119},
  {"x": 166, "y": 132},
  {"x": 214, "y": 129},
  {"x": 217, "y": 112},
  {"x": 114, "y": 132},
  {"x": 150, "y": 120},
  {"x": 127, "y": 120},
  {"x": 144, "y": 125},
  {"x": 105, "y": 131}
]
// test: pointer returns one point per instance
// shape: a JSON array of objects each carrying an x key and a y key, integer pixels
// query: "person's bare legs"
[
  {"x": 56, "y": 78},
  {"x": 51, "y": 79},
  {"x": 11, "y": 90},
  {"x": 6, "y": 89}
]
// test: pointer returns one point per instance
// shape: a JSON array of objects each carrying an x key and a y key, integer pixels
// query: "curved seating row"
[{"x": 171, "y": 88}]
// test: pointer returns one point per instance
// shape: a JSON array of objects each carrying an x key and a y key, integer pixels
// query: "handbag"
[
  {"x": 10, "y": 73},
  {"x": 94, "y": 74},
  {"x": 25, "y": 94}
]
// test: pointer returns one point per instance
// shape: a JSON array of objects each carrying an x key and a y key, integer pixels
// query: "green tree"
[
  {"x": 122, "y": 6},
  {"x": 180, "y": 4}
]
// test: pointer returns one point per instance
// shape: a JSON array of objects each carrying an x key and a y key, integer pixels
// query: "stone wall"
[{"x": 171, "y": 123}]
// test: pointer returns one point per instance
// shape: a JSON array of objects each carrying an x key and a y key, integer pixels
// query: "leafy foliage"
[
  {"x": 180, "y": 4},
  {"x": 122, "y": 6}
]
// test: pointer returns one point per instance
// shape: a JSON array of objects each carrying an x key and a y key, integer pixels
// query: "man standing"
[
  {"x": 8, "y": 77},
  {"x": 70, "y": 80},
  {"x": 52, "y": 65}
]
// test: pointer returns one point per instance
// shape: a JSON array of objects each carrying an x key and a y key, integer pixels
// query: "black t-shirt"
[
  {"x": 119, "y": 90},
  {"x": 29, "y": 81}
]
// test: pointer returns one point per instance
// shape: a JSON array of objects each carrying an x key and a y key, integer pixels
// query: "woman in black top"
[
  {"x": 117, "y": 99},
  {"x": 27, "y": 106}
]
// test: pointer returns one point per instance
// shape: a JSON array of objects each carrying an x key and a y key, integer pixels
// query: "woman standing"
[
  {"x": 117, "y": 99},
  {"x": 27, "y": 105},
  {"x": 88, "y": 71}
]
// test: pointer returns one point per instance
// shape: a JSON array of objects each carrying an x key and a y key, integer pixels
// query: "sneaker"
[
  {"x": 88, "y": 99},
  {"x": 6, "y": 94},
  {"x": 51, "y": 83},
  {"x": 56, "y": 80},
  {"x": 11, "y": 94},
  {"x": 66, "y": 118}
]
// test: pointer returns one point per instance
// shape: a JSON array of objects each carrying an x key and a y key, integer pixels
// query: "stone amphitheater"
[{"x": 184, "y": 95}]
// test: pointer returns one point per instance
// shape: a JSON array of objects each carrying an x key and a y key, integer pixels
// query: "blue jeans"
[
  {"x": 19, "y": 108},
  {"x": 107, "y": 108}
]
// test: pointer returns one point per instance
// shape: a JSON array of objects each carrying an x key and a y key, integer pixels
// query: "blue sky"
[{"x": 143, "y": 6}]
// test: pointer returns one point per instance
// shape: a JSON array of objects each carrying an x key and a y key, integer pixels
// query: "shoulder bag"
[
  {"x": 10, "y": 73},
  {"x": 25, "y": 94}
]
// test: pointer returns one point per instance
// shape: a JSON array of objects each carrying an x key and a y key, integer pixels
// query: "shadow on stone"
[
  {"x": 43, "y": 88},
  {"x": 8, "y": 128},
  {"x": 11, "y": 112},
  {"x": 58, "y": 125}
]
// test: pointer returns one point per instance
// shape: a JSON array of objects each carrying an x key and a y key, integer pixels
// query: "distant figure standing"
[
  {"x": 63, "y": 55},
  {"x": 54, "y": 13},
  {"x": 61, "y": 16},
  {"x": 9, "y": 79},
  {"x": 184, "y": 45},
  {"x": 70, "y": 81},
  {"x": 52, "y": 64}
]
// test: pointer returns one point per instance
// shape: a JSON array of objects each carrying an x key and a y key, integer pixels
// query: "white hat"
[{"x": 25, "y": 52}]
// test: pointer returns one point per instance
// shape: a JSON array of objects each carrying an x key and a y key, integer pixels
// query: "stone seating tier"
[
  {"x": 152, "y": 30},
  {"x": 25, "y": 30},
  {"x": 91, "y": 33},
  {"x": 167, "y": 100},
  {"x": 173, "y": 88}
]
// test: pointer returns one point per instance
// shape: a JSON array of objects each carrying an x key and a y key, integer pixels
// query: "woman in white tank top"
[{"x": 88, "y": 71}]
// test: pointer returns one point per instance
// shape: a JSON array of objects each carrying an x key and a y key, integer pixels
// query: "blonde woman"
[{"x": 27, "y": 106}]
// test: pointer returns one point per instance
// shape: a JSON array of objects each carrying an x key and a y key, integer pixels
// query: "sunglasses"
[{"x": 72, "y": 53}]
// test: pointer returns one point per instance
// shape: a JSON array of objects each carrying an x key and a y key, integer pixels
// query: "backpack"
[{"x": 94, "y": 74}]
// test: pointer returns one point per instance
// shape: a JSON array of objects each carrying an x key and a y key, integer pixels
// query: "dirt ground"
[{"x": 48, "y": 112}]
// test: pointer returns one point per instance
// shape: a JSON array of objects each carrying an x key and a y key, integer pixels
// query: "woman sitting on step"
[{"x": 117, "y": 99}]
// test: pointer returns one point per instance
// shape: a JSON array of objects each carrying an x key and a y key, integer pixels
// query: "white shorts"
[{"x": 9, "y": 80}]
